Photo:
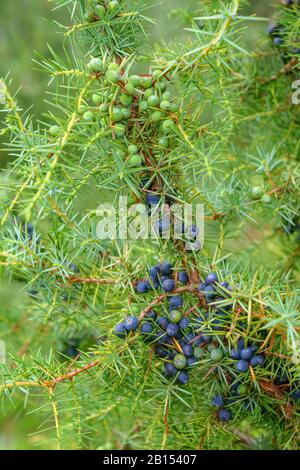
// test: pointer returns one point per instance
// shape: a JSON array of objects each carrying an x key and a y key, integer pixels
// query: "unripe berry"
[
  {"x": 81, "y": 110},
  {"x": 163, "y": 142},
  {"x": 135, "y": 160},
  {"x": 112, "y": 76},
  {"x": 117, "y": 114},
  {"x": 179, "y": 361},
  {"x": 100, "y": 10},
  {"x": 165, "y": 105},
  {"x": 103, "y": 108},
  {"x": 129, "y": 87},
  {"x": 125, "y": 99},
  {"x": 145, "y": 82},
  {"x": 54, "y": 131},
  {"x": 168, "y": 126},
  {"x": 119, "y": 130},
  {"x": 199, "y": 352},
  {"x": 156, "y": 116},
  {"x": 174, "y": 107},
  {"x": 113, "y": 5},
  {"x": 153, "y": 100},
  {"x": 95, "y": 65},
  {"x": 126, "y": 113},
  {"x": 217, "y": 354},
  {"x": 149, "y": 92},
  {"x": 156, "y": 74},
  {"x": 175, "y": 316},
  {"x": 88, "y": 116},
  {"x": 143, "y": 106},
  {"x": 134, "y": 80},
  {"x": 266, "y": 199},
  {"x": 132, "y": 149},
  {"x": 166, "y": 96},
  {"x": 97, "y": 99}
]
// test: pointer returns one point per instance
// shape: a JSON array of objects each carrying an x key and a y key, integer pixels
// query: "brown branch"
[{"x": 191, "y": 288}]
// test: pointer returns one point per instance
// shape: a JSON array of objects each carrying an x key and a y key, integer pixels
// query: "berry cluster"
[
  {"x": 101, "y": 10},
  {"x": 161, "y": 276},
  {"x": 277, "y": 31},
  {"x": 177, "y": 337},
  {"x": 245, "y": 356}
]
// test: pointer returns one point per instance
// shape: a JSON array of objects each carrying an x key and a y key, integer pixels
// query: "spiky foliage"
[{"x": 232, "y": 144}]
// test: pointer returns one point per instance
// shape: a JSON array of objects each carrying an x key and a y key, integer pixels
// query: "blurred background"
[{"x": 26, "y": 27}]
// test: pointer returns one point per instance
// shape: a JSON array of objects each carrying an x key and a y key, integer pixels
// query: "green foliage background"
[{"x": 23, "y": 31}]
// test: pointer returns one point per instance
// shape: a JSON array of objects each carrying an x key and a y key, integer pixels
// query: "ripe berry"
[
  {"x": 142, "y": 287},
  {"x": 170, "y": 370},
  {"x": 235, "y": 354},
  {"x": 224, "y": 415},
  {"x": 175, "y": 316},
  {"x": 183, "y": 277},
  {"x": 120, "y": 330},
  {"x": 183, "y": 378},
  {"x": 242, "y": 365},
  {"x": 191, "y": 361},
  {"x": 184, "y": 323},
  {"x": 165, "y": 268},
  {"x": 218, "y": 401},
  {"x": 172, "y": 329},
  {"x": 246, "y": 353},
  {"x": 163, "y": 322},
  {"x": 210, "y": 293},
  {"x": 175, "y": 302},
  {"x": 168, "y": 285},
  {"x": 217, "y": 354},
  {"x": 160, "y": 351},
  {"x": 131, "y": 323},
  {"x": 187, "y": 350},
  {"x": 257, "y": 360},
  {"x": 152, "y": 199},
  {"x": 211, "y": 278},
  {"x": 153, "y": 272},
  {"x": 201, "y": 287},
  {"x": 95, "y": 65},
  {"x": 179, "y": 361},
  {"x": 146, "y": 328},
  {"x": 152, "y": 315}
]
